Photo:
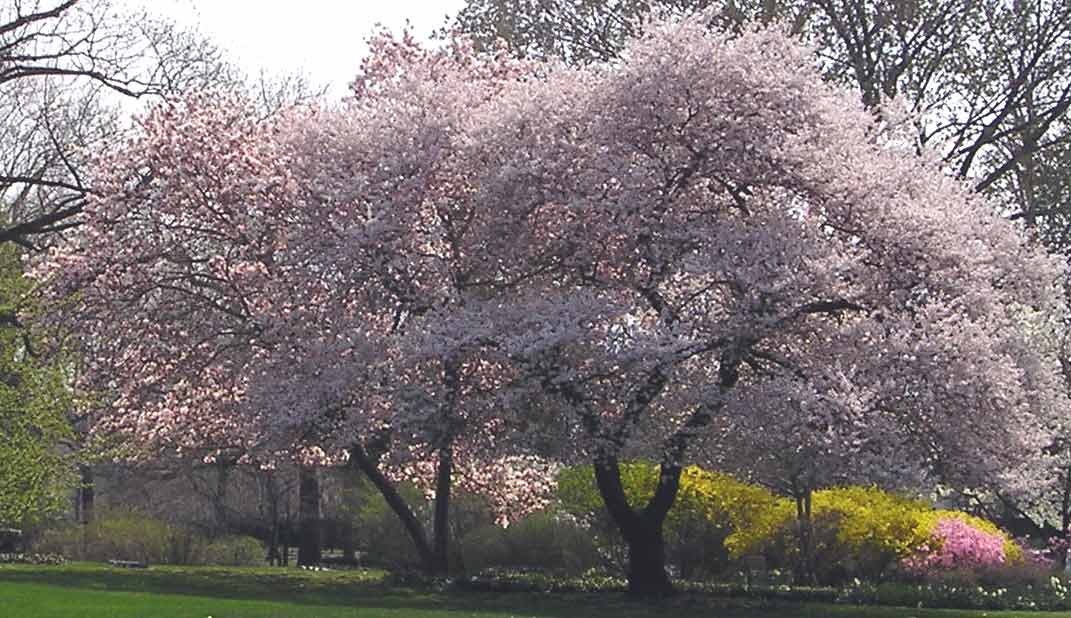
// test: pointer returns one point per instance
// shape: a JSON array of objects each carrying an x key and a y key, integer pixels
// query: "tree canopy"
[{"x": 986, "y": 82}]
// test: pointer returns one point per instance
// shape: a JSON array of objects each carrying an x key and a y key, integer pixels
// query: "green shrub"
[
  {"x": 234, "y": 551},
  {"x": 469, "y": 513},
  {"x": 484, "y": 548},
  {"x": 379, "y": 532},
  {"x": 542, "y": 541},
  {"x": 1024, "y": 573},
  {"x": 112, "y": 536},
  {"x": 124, "y": 535},
  {"x": 550, "y": 541},
  {"x": 129, "y": 536},
  {"x": 185, "y": 546},
  {"x": 65, "y": 540}
]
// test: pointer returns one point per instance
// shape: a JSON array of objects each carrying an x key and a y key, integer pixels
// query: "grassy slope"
[{"x": 90, "y": 591}]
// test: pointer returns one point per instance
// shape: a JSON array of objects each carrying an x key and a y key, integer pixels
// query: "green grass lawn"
[{"x": 93, "y": 591}]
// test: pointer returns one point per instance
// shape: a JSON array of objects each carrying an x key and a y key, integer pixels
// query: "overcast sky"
[{"x": 323, "y": 38}]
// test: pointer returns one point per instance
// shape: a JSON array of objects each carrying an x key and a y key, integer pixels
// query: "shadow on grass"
[
  {"x": 356, "y": 589},
  {"x": 369, "y": 589},
  {"x": 229, "y": 583}
]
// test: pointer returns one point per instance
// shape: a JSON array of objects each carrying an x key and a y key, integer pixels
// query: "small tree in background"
[{"x": 35, "y": 397}]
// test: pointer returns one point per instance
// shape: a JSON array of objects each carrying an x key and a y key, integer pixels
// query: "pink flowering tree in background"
[
  {"x": 476, "y": 264},
  {"x": 280, "y": 288},
  {"x": 795, "y": 441},
  {"x": 167, "y": 282},
  {"x": 393, "y": 173},
  {"x": 179, "y": 289},
  {"x": 804, "y": 442}
]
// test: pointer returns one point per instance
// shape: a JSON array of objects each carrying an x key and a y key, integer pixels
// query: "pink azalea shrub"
[{"x": 957, "y": 544}]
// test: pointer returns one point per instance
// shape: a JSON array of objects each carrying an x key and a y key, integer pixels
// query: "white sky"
[{"x": 322, "y": 38}]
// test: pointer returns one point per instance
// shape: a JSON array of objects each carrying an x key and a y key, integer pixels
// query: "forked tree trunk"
[
  {"x": 219, "y": 496},
  {"x": 641, "y": 530},
  {"x": 434, "y": 555},
  {"x": 309, "y": 545}
]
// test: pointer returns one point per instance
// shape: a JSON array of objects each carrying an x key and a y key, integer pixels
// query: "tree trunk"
[
  {"x": 805, "y": 528},
  {"x": 642, "y": 531},
  {"x": 443, "y": 478},
  {"x": 394, "y": 500},
  {"x": 349, "y": 548},
  {"x": 274, "y": 559},
  {"x": 309, "y": 550},
  {"x": 647, "y": 577},
  {"x": 85, "y": 504},
  {"x": 85, "y": 494},
  {"x": 219, "y": 496},
  {"x": 273, "y": 546},
  {"x": 1065, "y": 517}
]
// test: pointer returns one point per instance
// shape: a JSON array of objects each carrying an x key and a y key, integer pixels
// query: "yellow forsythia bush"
[
  {"x": 718, "y": 518},
  {"x": 861, "y": 531},
  {"x": 874, "y": 520},
  {"x": 748, "y": 512},
  {"x": 871, "y": 524}
]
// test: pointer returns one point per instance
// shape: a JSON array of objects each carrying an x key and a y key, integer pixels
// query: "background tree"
[
  {"x": 70, "y": 73},
  {"x": 65, "y": 67},
  {"x": 35, "y": 473},
  {"x": 274, "y": 347}
]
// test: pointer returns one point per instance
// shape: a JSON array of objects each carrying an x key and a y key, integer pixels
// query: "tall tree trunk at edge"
[
  {"x": 274, "y": 559},
  {"x": 1065, "y": 515},
  {"x": 85, "y": 503}
]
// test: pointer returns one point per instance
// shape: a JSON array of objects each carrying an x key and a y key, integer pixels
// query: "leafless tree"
[{"x": 64, "y": 68}]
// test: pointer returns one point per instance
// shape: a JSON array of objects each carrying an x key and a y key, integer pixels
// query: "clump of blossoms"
[{"x": 957, "y": 544}]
